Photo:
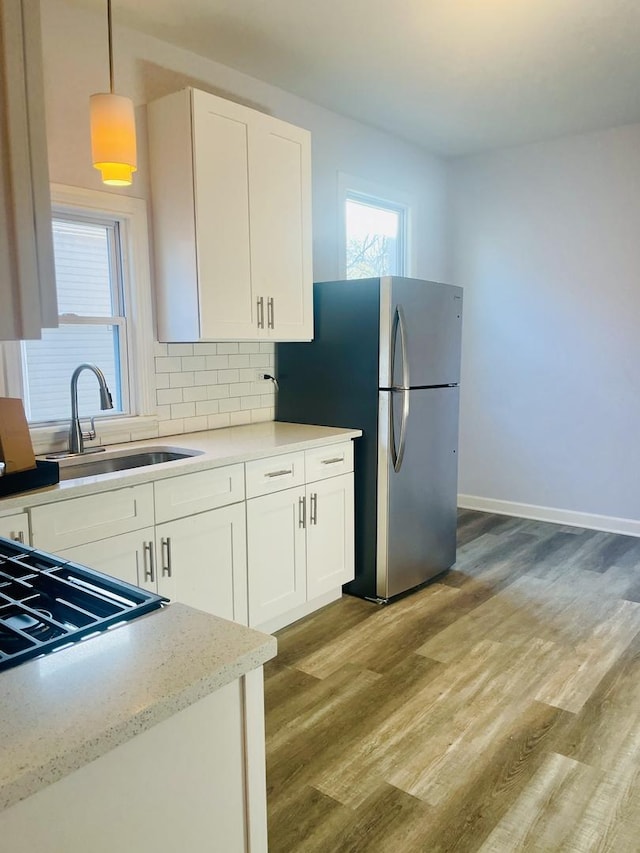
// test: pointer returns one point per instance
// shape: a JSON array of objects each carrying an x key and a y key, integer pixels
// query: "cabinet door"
[
  {"x": 330, "y": 554},
  {"x": 15, "y": 527},
  {"x": 280, "y": 183},
  {"x": 221, "y": 187},
  {"x": 276, "y": 554},
  {"x": 202, "y": 561},
  {"x": 122, "y": 557}
]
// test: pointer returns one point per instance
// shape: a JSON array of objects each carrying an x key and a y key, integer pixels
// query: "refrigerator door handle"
[
  {"x": 398, "y": 455},
  {"x": 400, "y": 330}
]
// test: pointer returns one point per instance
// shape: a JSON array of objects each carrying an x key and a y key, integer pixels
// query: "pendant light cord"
[{"x": 110, "y": 46}]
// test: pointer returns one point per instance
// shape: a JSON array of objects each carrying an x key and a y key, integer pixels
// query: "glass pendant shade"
[{"x": 113, "y": 138}]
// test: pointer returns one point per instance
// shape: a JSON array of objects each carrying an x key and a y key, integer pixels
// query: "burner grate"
[{"x": 47, "y": 602}]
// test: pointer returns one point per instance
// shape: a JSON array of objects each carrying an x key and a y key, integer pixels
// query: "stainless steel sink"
[{"x": 92, "y": 464}]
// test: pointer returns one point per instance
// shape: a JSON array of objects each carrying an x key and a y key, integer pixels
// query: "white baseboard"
[{"x": 606, "y": 523}]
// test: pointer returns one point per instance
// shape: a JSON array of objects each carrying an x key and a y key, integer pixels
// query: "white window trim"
[
  {"x": 131, "y": 213},
  {"x": 373, "y": 192}
]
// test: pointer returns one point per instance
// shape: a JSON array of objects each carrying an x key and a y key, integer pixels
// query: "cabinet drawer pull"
[
  {"x": 279, "y": 473},
  {"x": 313, "y": 511},
  {"x": 261, "y": 312},
  {"x": 18, "y": 537},
  {"x": 165, "y": 543},
  {"x": 302, "y": 512},
  {"x": 149, "y": 562},
  {"x": 271, "y": 313},
  {"x": 332, "y": 461}
]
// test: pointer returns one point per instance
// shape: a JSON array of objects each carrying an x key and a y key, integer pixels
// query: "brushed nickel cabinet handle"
[
  {"x": 149, "y": 562},
  {"x": 261, "y": 312},
  {"x": 165, "y": 544},
  {"x": 18, "y": 537},
  {"x": 313, "y": 512},
  {"x": 302, "y": 512},
  {"x": 332, "y": 461},
  {"x": 279, "y": 473},
  {"x": 271, "y": 313}
]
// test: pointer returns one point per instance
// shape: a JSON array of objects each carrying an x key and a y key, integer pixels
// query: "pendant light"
[{"x": 113, "y": 130}]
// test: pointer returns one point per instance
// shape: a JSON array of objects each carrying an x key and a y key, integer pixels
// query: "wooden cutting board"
[{"x": 16, "y": 449}]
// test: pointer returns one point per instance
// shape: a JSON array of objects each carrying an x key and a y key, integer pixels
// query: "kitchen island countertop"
[{"x": 60, "y": 712}]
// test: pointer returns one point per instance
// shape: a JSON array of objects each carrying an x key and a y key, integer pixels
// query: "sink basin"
[{"x": 92, "y": 464}]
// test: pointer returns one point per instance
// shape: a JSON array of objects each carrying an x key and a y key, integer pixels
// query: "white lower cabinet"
[
  {"x": 15, "y": 527},
  {"x": 276, "y": 562},
  {"x": 330, "y": 545},
  {"x": 300, "y": 548},
  {"x": 123, "y": 556},
  {"x": 265, "y": 562},
  {"x": 201, "y": 561}
]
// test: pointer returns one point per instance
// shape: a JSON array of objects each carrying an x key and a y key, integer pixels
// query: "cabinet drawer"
[
  {"x": 265, "y": 476},
  {"x": 80, "y": 520},
  {"x": 198, "y": 492},
  {"x": 329, "y": 461}
]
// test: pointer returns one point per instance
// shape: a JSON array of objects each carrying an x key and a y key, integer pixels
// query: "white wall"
[{"x": 546, "y": 244}]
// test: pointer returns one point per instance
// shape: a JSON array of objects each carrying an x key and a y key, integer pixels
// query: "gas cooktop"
[{"x": 47, "y": 603}]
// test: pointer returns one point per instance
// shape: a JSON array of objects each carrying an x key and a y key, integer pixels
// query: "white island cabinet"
[
  {"x": 146, "y": 739},
  {"x": 231, "y": 200}
]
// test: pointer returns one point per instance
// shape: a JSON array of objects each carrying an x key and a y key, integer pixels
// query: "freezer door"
[
  {"x": 420, "y": 333},
  {"x": 417, "y": 499}
]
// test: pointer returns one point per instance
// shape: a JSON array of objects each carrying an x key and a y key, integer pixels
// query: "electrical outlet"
[{"x": 260, "y": 372}]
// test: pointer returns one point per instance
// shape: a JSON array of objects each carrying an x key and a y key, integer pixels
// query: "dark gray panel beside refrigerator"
[{"x": 374, "y": 339}]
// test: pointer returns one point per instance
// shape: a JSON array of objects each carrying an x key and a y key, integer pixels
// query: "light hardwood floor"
[{"x": 495, "y": 710}]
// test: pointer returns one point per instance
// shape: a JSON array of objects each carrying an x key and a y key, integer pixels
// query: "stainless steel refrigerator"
[{"x": 386, "y": 359}]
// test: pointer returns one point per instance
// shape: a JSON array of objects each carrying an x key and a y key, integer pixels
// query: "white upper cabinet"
[
  {"x": 231, "y": 198},
  {"x": 27, "y": 274}
]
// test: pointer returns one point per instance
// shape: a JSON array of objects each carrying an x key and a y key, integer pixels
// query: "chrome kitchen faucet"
[{"x": 76, "y": 436}]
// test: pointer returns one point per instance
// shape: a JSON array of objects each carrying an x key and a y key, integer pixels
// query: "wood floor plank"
[{"x": 494, "y": 710}]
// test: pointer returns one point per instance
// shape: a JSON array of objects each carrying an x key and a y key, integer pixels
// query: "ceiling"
[{"x": 455, "y": 76}]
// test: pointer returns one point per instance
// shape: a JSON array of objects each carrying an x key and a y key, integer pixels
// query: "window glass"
[
  {"x": 375, "y": 239},
  {"x": 83, "y": 254},
  {"x": 92, "y": 326}
]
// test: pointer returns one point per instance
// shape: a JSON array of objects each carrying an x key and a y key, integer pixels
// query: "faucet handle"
[{"x": 89, "y": 436}]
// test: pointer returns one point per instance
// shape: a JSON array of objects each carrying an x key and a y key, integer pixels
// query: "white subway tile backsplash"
[
  {"x": 239, "y": 361},
  {"x": 207, "y": 407},
  {"x": 240, "y": 418},
  {"x": 211, "y": 385},
  {"x": 180, "y": 349},
  {"x": 198, "y": 392},
  {"x": 230, "y": 405},
  {"x": 167, "y": 365},
  {"x": 216, "y": 362},
  {"x": 206, "y": 377},
  {"x": 169, "y": 395},
  {"x": 193, "y": 362},
  {"x": 216, "y": 392},
  {"x": 228, "y": 376},
  {"x": 181, "y": 380},
  {"x": 262, "y": 359},
  {"x": 183, "y": 410},
  {"x": 218, "y": 421},
  {"x": 195, "y": 424}
]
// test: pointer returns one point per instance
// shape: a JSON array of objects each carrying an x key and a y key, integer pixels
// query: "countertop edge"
[{"x": 80, "y": 487}]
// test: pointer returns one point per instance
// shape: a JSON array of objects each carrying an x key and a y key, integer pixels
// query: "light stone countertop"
[
  {"x": 219, "y": 447},
  {"x": 68, "y": 708}
]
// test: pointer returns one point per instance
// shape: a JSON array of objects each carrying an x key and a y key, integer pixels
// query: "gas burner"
[{"x": 46, "y": 602}]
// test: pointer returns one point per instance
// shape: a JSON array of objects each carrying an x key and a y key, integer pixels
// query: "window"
[
  {"x": 93, "y": 323},
  {"x": 375, "y": 237},
  {"x": 104, "y": 305}
]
